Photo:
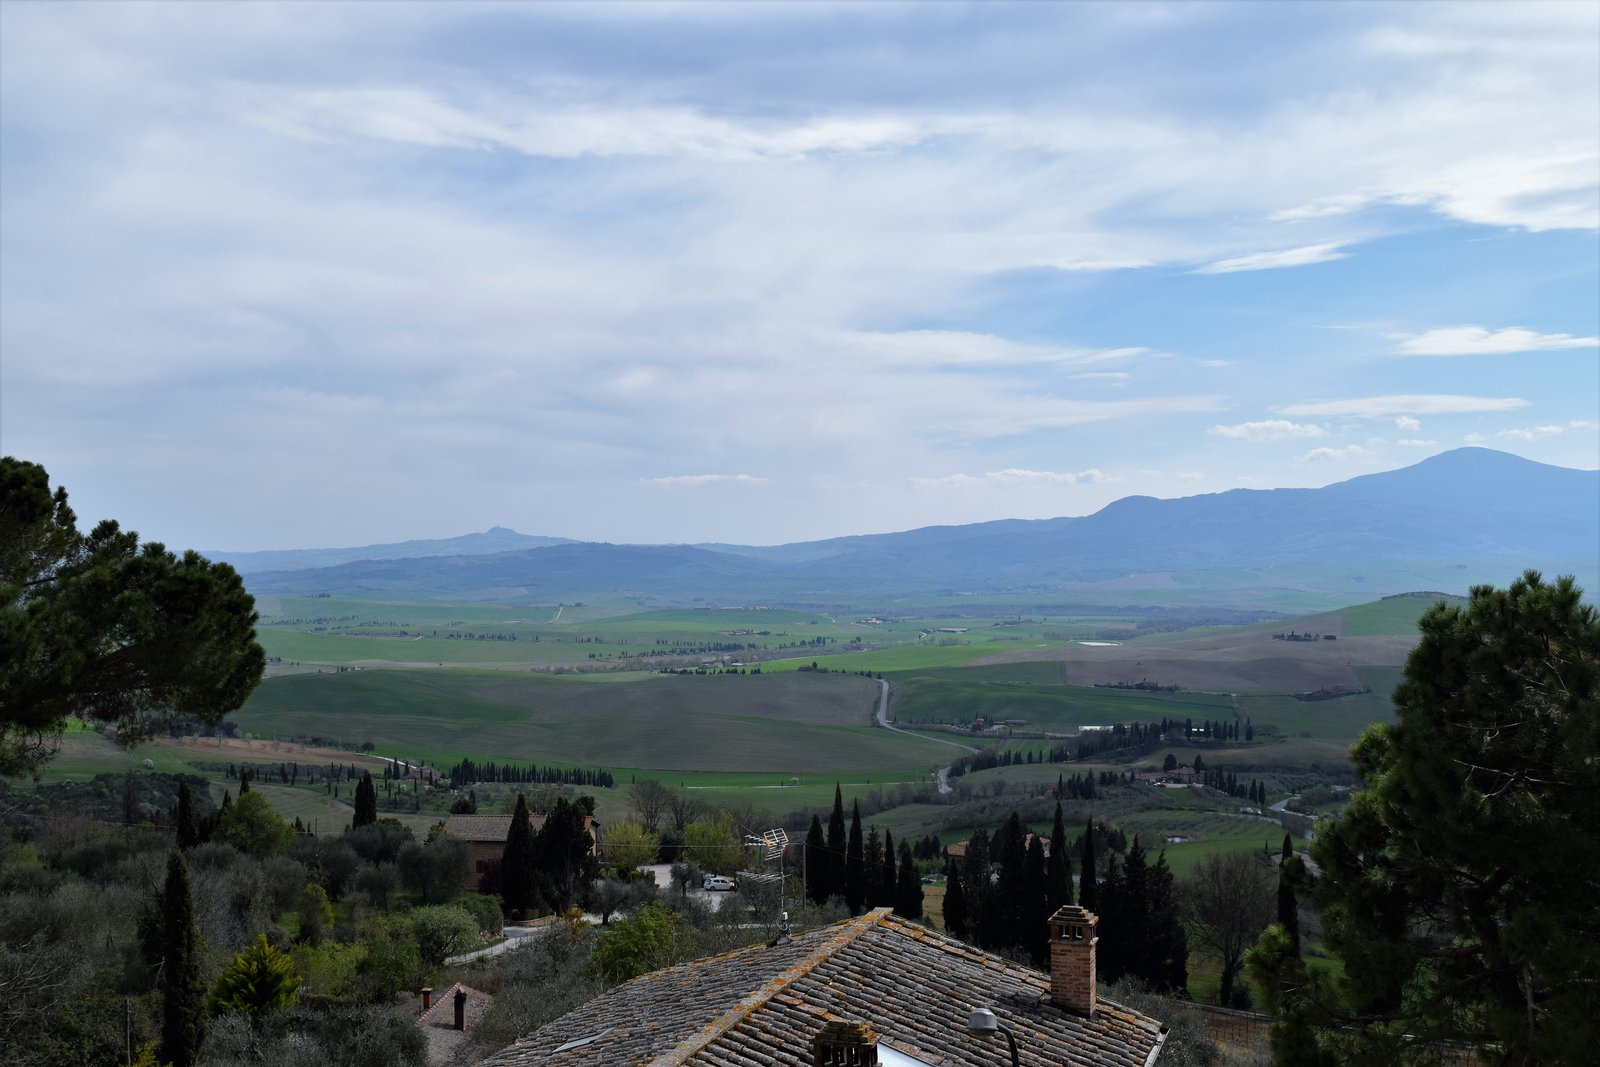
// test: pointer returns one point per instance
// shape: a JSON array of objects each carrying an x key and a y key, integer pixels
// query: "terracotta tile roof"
[
  {"x": 761, "y": 1006},
  {"x": 495, "y": 828},
  {"x": 446, "y": 1044}
]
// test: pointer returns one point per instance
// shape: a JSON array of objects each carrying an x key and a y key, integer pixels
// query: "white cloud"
[
  {"x": 1289, "y": 257},
  {"x": 1532, "y": 433},
  {"x": 1324, "y": 455},
  {"x": 1477, "y": 341},
  {"x": 1013, "y": 477},
  {"x": 1475, "y": 438},
  {"x": 1406, "y": 422},
  {"x": 958, "y": 348},
  {"x": 1267, "y": 430},
  {"x": 1216, "y": 362},
  {"x": 695, "y": 480},
  {"x": 1412, "y": 442},
  {"x": 1379, "y": 407}
]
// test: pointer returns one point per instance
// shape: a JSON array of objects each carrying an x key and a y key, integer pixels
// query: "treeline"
[
  {"x": 470, "y": 772},
  {"x": 1002, "y": 892}
]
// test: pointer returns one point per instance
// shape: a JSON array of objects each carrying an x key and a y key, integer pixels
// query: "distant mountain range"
[
  {"x": 496, "y": 539},
  {"x": 1461, "y": 517}
]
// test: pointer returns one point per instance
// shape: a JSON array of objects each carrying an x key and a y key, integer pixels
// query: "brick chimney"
[
  {"x": 461, "y": 1008},
  {"x": 427, "y": 997},
  {"x": 844, "y": 1044},
  {"x": 1072, "y": 941}
]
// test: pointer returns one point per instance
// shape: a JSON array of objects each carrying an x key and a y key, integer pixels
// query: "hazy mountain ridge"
[
  {"x": 494, "y": 540},
  {"x": 1470, "y": 506}
]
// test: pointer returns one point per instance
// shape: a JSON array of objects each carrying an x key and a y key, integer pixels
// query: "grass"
[
  {"x": 784, "y": 723},
  {"x": 1038, "y": 694}
]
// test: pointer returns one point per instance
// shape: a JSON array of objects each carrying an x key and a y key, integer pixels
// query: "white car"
[{"x": 717, "y": 883}]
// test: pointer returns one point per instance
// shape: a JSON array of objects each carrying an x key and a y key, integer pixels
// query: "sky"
[{"x": 306, "y": 275}]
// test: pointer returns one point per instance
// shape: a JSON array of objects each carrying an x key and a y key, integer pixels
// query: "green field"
[
  {"x": 1036, "y": 693},
  {"x": 791, "y": 722},
  {"x": 775, "y": 742}
]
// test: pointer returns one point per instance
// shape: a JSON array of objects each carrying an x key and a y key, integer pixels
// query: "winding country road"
[{"x": 883, "y": 721}]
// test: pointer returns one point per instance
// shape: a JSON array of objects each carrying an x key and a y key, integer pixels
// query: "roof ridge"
[{"x": 739, "y": 1012}]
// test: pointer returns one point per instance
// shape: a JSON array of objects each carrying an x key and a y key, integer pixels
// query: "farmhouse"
[
  {"x": 875, "y": 990},
  {"x": 486, "y": 835}
]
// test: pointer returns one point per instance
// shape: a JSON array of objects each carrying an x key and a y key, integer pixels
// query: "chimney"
[
  {"x": 844, "y": 1044},
  {"x": 461, "y": 1008},
  {"x": 1072, "y": 941}
]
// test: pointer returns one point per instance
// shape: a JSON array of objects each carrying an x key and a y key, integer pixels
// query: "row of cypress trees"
[
  {"x": 1002, "y": 893},
  {"x": 863, "y": 872}
]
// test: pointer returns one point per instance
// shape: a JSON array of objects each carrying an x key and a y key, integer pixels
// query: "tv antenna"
[{"x": 772, "y": 844}]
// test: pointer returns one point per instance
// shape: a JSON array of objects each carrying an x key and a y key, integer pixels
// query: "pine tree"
[
  {"x": 366, "y": 802},
  {"x": 816, "y": 861},
  {"x": 183, "y": 1020},
  {"x": 836, "y": 845},
  {"x": 1478, "y": 831},
  {"x": 518, "y": 874},
  {"x": 908, "y": 886},
  {"x": 1058, "y": 873},
  {"x": 188, "y": 834},
  {"x": 855, "y": 877}
]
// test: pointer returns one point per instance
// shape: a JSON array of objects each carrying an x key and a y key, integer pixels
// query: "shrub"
[
  {"x": 260, "y": 979},
  {"x": 442, "y": 931}
]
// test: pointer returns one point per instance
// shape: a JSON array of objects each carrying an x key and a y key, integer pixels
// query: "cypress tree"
[
  {"x": 517, "y": 870},
  {"x": 955, "y": 902},
  {"x": 244, "y": 781},
  {"x": 1111, "y": 959},
  {"x": 1035, "y": 905},
  {"x": 1058, "y": 873},
  {"x": 366, "y": 802},
  {"x": 188, "y": 834},
  {"x": 816, "y": 864},
  {"x": 976, "y": 884},
  {"x": 889, "y": 880},
  {"x": 1004, "y": 925},
  {"x": 1088, "y": 889},
  {"x": 1136, "y": 913},
  {"x": 908, "y": 887},
  {"x": 872, "y": 863},
  {"x": 183, "y": 997},
  {"x": 836, "y": 845},
  {"x": 855, "y": 887},
  {"x": 1288, "y": 905},
  {"x": 1167, "y": 970}
]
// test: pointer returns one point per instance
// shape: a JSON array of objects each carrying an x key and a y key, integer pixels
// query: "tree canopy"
[
  {"x": 1461, "y": 888},
  {"x": 96, "y": 625}
]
